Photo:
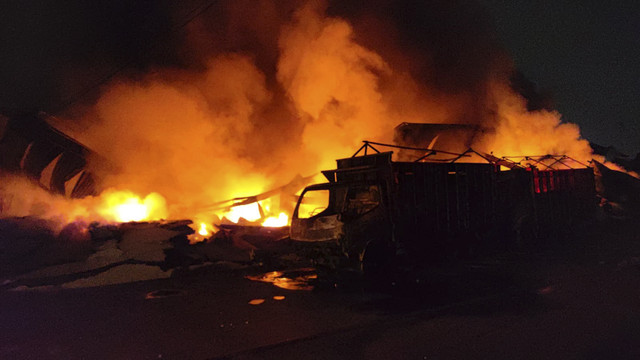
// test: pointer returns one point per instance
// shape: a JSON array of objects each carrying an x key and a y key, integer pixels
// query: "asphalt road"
[{"x": 580, "y": 301}]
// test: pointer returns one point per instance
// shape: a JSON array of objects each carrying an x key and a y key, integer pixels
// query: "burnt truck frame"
[{"x": 377, "y": 208}]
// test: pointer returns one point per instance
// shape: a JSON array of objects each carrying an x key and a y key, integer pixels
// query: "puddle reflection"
[
  {"x": 163, "y": 293},
  {"x": 298, "y": 279}
]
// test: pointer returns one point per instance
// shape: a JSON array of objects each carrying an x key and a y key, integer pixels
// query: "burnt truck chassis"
[{"x": 429, "y": 211}]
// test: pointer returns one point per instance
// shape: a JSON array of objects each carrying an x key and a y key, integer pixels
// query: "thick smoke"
[
  {"x": 20, "y": 198},
  {"x": 518, "y": 131},
  {"x": 270, "y": 90},
  {"x": 185, "y": 135}
]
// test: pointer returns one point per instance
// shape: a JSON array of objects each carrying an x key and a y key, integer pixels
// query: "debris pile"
[{"x": 33, "y": 257}]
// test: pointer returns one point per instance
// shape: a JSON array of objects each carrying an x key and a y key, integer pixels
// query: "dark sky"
[
  {"x": 587, "y": 54},
  {"x": 50, "y": 51}
]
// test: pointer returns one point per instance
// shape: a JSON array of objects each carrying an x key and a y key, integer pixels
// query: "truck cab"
[{"x": 348, "y": 213}]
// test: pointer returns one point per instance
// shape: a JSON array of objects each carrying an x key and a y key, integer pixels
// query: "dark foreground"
[{"x": 579, "y": 300}]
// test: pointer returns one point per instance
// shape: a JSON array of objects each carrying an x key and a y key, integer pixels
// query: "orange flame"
[
  {"x": 125, "y": 206},
  {"x": 338, "y": 92},
  {"x": 203, "y": 231},
  {"x": 250, "y": 212},
  {"x": 272, "y": 221}
]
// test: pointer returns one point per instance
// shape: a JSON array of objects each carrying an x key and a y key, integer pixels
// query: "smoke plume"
[{"x": 269, "y": 90}]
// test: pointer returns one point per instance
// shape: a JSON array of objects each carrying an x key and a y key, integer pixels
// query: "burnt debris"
[{"x": 32, "y": 147}]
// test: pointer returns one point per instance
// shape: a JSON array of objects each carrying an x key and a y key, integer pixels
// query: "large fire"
[
  {"x": 250, "y": 212},
  {"x": 276, "y": 221},
  {"x": 124, "y": 206},
  {"x": 186, "y": 140}
]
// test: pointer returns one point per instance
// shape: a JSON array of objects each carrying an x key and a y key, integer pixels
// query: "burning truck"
[
  {"x": 426, "y": 203},
  {"x": 442, "y": 204}
]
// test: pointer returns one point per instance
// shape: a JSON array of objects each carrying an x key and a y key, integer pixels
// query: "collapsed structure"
[
  {"x": 443, "y": 202},
  {"x": 32, "y": 147}
]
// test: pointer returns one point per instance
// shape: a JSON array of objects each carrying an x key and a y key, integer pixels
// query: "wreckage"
[
  {"x": 372, "y": 207},
  {"x": 442, "y": 204},
  {"x": 30, "y": 146}
]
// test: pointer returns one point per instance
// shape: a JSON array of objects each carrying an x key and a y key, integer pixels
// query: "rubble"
[
  {"x": 23, "y": 238},
  {"x": 28, "y": 243},
  {"x": 125, "y": 273},
  {"x": 107, "y": 254},
  {"x": 99, "y": 255},
  {"x": 147, "y": 243}
]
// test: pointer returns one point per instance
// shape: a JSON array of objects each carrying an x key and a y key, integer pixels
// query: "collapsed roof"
[{"x": 32, "y": 147}]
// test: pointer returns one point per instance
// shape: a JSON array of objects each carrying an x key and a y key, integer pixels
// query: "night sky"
[{"x": 585, "y": 54}]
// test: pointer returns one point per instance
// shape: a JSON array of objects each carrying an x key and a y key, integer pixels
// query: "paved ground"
[{"x": 581, "y": 301}]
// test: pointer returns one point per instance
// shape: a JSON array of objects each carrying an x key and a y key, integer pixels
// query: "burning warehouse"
[
  {"x": 236, "y": 101},
  {"x": 320, "y": 178}
]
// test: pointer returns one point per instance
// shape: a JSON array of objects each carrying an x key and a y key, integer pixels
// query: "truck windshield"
[{"x": 312, "y": 203}]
